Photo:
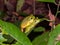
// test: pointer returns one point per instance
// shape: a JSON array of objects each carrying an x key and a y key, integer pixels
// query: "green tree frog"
[
  {"x": 26, "y": 22},
  {"x": 30, "y": 22}
]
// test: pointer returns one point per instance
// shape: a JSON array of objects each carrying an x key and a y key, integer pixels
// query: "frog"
[
  {"x": 26, "y": 22},
  {"x": 32, "y": 25},
  {"x": 30, "y": 22}
]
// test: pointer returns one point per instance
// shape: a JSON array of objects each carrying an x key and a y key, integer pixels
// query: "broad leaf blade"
[
  {"x": 39, "y": 29},
  {"x": 2, "y": 39},
  {"x": 15, "y": 32},
  {"x": 17, "y": 43},
  {"x": 41, "y": 40},
  {"x": 5, "y": 44},
  {"x": 53, "y": 35},
  {"x": 58, "y": 43}
]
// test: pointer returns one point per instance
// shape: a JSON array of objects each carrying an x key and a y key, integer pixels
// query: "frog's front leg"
[{"x": 21, "y": 29}]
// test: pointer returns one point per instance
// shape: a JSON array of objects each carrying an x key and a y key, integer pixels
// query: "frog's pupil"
[{"x": 31, "y": 18}]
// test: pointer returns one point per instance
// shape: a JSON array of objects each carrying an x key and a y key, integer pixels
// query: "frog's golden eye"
[{"x": 31, "y": 17}]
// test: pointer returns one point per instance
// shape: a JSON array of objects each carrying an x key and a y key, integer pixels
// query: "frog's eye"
[{"x": 31, "y": 18}]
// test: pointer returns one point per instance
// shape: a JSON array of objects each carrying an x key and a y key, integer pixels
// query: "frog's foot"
[{"x": 23, "y": 30}]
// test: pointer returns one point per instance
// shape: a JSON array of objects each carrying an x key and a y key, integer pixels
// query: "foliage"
[
  {"x": 11, "y": 34},
  {"x": 51, "y": 1},
  {"x": 12, "y": 30},
  {"x": 54, "y": 36},
  {"x": 41, "y": 39},
  {"x": 39, "y": 29}
]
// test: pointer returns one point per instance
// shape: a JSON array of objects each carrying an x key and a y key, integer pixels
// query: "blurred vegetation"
[{"x": 13, "y": 12}]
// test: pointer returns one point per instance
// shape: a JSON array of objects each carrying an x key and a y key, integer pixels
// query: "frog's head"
[{"x": 30, "y": 18}]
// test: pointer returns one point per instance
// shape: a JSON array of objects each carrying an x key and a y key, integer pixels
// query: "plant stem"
[
  {"x": 57, "y": 11},
  {"x": 53, "y": 22},
  {"x": 34, "y": 7},
  {"x": 53, "y": 26}
]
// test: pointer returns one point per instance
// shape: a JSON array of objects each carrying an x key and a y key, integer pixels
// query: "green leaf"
[
  {"x": 2, "y": 39},
  {"x": 54, "y": 35},
  {"x": 41, "y": 39},
  {"x": 9, "y": 38},
  {"x": 39, "y": 29},
  {"x": 19, "y": 5},
  {"x": 51, "y": 1},
  {"x": 4, "y": 44},
  {"x": 15, "y": 32},
  {"x": 58, "y": 43},
  {"x": 17, "y": 43}
]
